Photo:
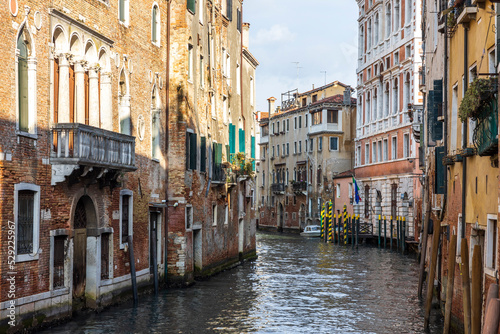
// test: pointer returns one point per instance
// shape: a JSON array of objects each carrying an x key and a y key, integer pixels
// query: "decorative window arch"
[
  {"x": 155, "y": 24},
  {"x": 25, "y": 68}
]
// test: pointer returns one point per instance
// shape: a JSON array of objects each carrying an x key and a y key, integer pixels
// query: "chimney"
[
  {"x": 246, "y": 34},
  {"x": 271, "y": 105}
]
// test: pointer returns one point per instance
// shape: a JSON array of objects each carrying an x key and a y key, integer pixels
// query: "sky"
[{"x": 322, "y": 35}]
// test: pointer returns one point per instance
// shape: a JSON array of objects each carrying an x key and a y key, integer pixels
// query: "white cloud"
[{"x": 276, "y": 34}]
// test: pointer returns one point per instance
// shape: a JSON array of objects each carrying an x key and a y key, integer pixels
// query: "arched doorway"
[
  {"x": 84, "y": 219},
  {"x": 280, "y": 218}
]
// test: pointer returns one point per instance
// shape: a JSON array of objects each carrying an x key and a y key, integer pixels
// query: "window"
[
  {"x": 214, "y": 214},
  {"x": 300, "y": 122},
  {"x": 315, "y": 98},
  {"x": 491, "y": 242},
  {"x": 334, "y": 143},
  {"x": 202, "y": 73},
  {"x": 191, "y": 154},
  {"x": 189, "y": 217},
  {"x": 284, "y": 150},
  {"x": 105, "y": 258},
  {"x": 320, "y": 143},
  {"x": 295, "y": 148},
  {"x": 491, "y": 61},
  {"x": 26, "y": 82},
  {"x": 304, "y": 102},
  {"x": 386, "y": 149},
  {"x": 305, "y": 120},
  {"x": 191, "y": 6},
  {"x": 238, "y": 20},
  {"x": 287, "y": 148},
  {"x": 277, "y": 150},
  {"x": 406, "y": 145},
  {"x": 226, "y": 214},
  {"x": 155, "y": 134},
  {"x": 203, "y": 154},
  {"x": 190, "y": 64},
  {"x": 333, "y": 116},
  {"x": 155, "y": 25},
  {"x": 367, "y": 154},
  {"x": 295, "y": 122},
  {"x": 316, "y": 118},
  {"x": 337, "y": 190},
  {"x": 123, "y": 11},
  {"x": 380, "y": 156},
  {"x": 287, "y": 125},
  {"x": 126, "y": 215},
  {"x": 311, "y": 144},
  {"x": 300, "y": 147},
  {"x": 318, "y": 175},
  {"x": 229, "y": 10},
  {"x": 58, "y": 262},
  {"x": 350, "y": 187},
  {"x": 394, "y": 148},
  {"x": 396, "y": 58},
  {"x": 27, "y": 221},
  {"x": 374, "y": 152},
  {"x": 200, "y": 10}
]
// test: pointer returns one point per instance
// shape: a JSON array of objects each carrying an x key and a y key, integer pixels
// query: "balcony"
[
  {"x": 465, "y": 12},
  {"x": 486, "y": 131},
  {"x": 278, "y": 188},
  {"x": 218, "y": 174},
  {"x": 299, "y": 187},
  {"x": 264, "y": 140},
  {"x": 75, "y": 145}
]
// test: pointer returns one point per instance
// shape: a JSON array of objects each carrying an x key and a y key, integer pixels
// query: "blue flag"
[{"x": 356, "y": 191}]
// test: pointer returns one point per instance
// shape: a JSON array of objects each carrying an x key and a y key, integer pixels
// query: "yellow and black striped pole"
[
  {"x": 330, "y": 216},
  {"x": 345, "y": 225},
  {"x": 322, "y": 220}
]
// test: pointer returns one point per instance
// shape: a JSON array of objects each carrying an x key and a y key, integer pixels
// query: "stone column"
[
  {"x": 94, "y": 114},
  {"x": 63, "y": 107},
  {"x": 80, "y": 91},
  {"x": 106, "y": 102}
]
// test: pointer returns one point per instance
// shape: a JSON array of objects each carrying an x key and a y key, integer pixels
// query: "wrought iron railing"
[
  {"x": 486, "y": 131},
  {"x": 218, "y": 174},
  {"x": 80, "y": 144},
  {"x": 299, "y": 186},
  {"x": 277, "y": 187}
]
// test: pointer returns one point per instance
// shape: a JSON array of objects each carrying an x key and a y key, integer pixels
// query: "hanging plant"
[
  {"x": 480, "y": 91},
  {"x": 242, "y": 166}
]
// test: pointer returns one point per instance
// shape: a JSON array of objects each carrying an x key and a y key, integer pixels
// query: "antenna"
[{"x": 325, "y": 76}]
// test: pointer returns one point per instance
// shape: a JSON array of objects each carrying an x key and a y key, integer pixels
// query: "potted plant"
[{"x": 477, "y": 95}]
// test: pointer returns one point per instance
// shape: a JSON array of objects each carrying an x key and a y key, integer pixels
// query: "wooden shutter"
[
  {"x": 219, "y": 154},
  {"x": 203, "y": 154},
  {"x": 252, "y": 151},
  {"x": 191, "y": 6},
  {"x": 232, "y": 139},
  {"x": 238, "y": 20},
  {"x": 440, "y": 171},
  {"x": 86, "y": 80},
  {"x": 192, "y": 151},
  {"x": 242, "y": 140},
  {"x": 23, "y": 94}
]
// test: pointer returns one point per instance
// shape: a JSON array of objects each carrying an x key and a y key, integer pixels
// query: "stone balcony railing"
[
  {"x": 78, "y": 144},
  {"x": 278, "y": 187}
]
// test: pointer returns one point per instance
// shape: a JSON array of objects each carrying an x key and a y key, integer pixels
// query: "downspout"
[
  {"x": 464, "y": 131},
  {"x": 167, "y": 111}
]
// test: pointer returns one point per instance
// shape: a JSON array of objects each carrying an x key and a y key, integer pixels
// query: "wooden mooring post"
[
  {"x": 464, "y": 254},
  {"x": 398, "y": 232},
  {"x": 392, "y": 232},
  {"x": 379, "y": 230},
  {"x": 385, "y": 230},
  {"x": 432, "y": 272},
  {"x": 476, "y": 291},
  {"x": 452, "y": 252}
]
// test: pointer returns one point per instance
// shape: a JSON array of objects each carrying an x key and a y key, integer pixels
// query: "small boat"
[{"x": 311, "y": 231}]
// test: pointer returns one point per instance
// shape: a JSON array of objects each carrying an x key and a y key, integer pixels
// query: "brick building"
[
  {"x": 115, "y": 120},
  {"x": 389, "y": 104},
  {"x": 303, "y": 144}
]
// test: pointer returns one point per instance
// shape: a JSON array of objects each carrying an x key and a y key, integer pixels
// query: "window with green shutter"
[
  {"x": 242, "y": 140},
  {"x": 232, "y": 140},
  {"x": 191, "y": 6},
  {"x": 203, "y": 154},
  {"x": 23, "y": 84},
  {"x": 191, "y": 150},
  {"x": 434, "y": 110},
  {"x": 440, "y": 171},
  {"x": 252, "y": 151}
]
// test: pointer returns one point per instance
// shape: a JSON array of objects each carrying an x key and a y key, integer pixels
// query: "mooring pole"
[
  {"x": 334, "y": 222},
  {"x": 452, "y": 252},
  {"x": 132, "y": 267},
  {"x": 357, "y": 231},
  {"x": 353, "y": 232},
  {"x": 392, "y": 232},
  {"x": 379, "y": 229},
  {"x": 476, "y": 291},
  {"x": 155, "y": 264},
  {"x": 492, "y": 317},
  {"x": 385, "y": 230},
  {"x": 403, "y": 223},
  {"x": 397, "y": 234},
  {"x": 432, "y": 273},
  {"x": 465, "y": 284}
]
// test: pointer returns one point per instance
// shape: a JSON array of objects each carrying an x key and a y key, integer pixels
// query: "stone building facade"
[
  {"x": 303, "y": 144},
  {"x": 115, "y": 120},
  {"x": 389, "y": 104}
]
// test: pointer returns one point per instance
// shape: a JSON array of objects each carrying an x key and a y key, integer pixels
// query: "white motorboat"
[{"x": 311, "y": 231}]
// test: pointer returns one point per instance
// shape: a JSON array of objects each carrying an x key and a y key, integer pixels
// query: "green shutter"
[
  {"x": 434, "y": 106},
  {"x": 219, "y": 154},
  {"x": 192, "y": 151},
  {"x": 227, "y": 153},
  {"x": 232, "y": 139},
  {"x": 242, "y": 140},
  {"x": 203, "y": 154},
  {"x": 153, "y": 25},
  {"x": 191, "y": 5},
  {"x": 440, "y": 171},
  {"x": 23, "y": 95},
  {"x": 252, "y": 150}
]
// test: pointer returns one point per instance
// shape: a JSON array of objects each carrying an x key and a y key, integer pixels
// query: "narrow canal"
[{"x": 295, "y": 286}]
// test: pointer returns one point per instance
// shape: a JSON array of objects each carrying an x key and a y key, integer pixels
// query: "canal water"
[{"x": 296, "y": 285}]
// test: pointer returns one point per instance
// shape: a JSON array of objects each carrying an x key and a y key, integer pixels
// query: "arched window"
[
  {"x": 397, "y": 16},
  {"x": 376, "y": 28},
  {"x": 395, "y": 97},
  {"x": 26, "y": 82},
  {"x": 318, "y": 175},
  {"x": 124, "y": 104},
  {"x": 155, "y": 24},
  {"x": 388, "y": 21}
]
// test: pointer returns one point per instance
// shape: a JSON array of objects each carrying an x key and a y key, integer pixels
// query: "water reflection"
[{"x": 297, "y": 285}]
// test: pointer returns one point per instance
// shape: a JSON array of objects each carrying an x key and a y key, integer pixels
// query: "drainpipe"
[
  {"x": 167, "y": 111},
  {"x": 464, "y": 133},
  {"x": 445, "y": 112}
]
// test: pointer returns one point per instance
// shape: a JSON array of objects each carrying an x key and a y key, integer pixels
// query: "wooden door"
[{"x": 80, "y": 251}]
